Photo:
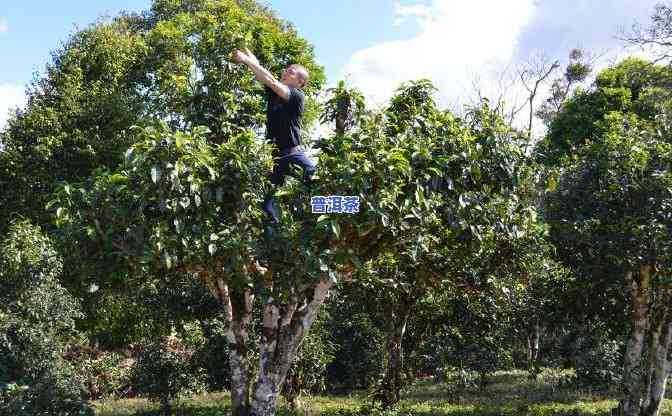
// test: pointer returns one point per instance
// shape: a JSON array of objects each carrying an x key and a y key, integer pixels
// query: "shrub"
[
  {"x": 358, "y": 361},
  {"x": 37, "y": 318},
  {"x": 213, "y": 356},
  {"x": 373, "y": 410},
  {"x": 106, "y": 374},
  {"x": 458, "y": 382},
  {"x": 596, "y": 357},
  {"x": 164, "y": 371},
  {"x": 600, "y": 365}
]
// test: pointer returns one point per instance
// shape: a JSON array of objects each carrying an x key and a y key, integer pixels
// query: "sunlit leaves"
[
  {"x": 175, "y": 199},
  {"x": 605, "y": 208}
]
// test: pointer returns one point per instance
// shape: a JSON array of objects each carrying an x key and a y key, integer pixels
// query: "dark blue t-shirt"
[{"x": 283, "y": 118}]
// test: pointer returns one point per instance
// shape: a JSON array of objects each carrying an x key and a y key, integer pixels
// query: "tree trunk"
[
  {"x": 640, "y": 284},
  {"x": 659, "y": 364},
  {"x": 285, "y": 325},
  {"x": 536, "y": 340},
  {"x": 240, "y": 381},
  {"x": 237, "y": 308},
  {"x": 397, "y": 319},
  {"x": 533, "y": 340}
]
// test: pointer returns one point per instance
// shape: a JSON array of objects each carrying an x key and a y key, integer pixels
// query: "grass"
[{"x": 509, "y": 393}]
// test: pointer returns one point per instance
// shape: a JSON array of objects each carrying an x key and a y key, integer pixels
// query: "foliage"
[
  {"x": 575, "y": 73},
  {"x": 600, "y": 362},
  {"x": 164, "y": 371},
  {"x": 447, "y": 197},
  {"x": 620, "y": 186},
  {"x": 37, "y": 317},
  {"x": 616, "y": 185},
  {"x": 171, "y": 62},
  {"x": 632, "y": 87},
  {"x": 75, "y": 117},
  {"x": 476, "y": 339},
  {"x": 345, "y": 107},
  {"x": 176, "y": 192},
  {"x": 359, "y": 353},
  {"x": 213, "y": 355},
  {"x": 458, "y": 381},
  {"x": 106, "y": 374},
  {"x": 610, "y": 219}
]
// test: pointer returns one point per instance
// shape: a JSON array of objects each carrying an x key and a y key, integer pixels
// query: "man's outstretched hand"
[
  {"x": 262, "y": 74},
  {"x": 245, "y": 57}
]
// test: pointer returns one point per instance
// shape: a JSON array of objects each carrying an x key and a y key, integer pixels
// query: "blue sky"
[
  {"x": 35, "y": 27},
  {"x": 374, "y": 44}
]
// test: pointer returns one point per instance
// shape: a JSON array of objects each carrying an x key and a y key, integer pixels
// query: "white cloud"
[
  {"x": 456, "y": 39},
  {"x": 420, "y": 11},
  {"x": 4, "y": 26},
  {"x": 11, "y": 96},
  {"x": 459, "y": 42}
]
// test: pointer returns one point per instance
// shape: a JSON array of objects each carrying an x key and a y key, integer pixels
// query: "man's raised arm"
[{"x": 261, "y": 73}]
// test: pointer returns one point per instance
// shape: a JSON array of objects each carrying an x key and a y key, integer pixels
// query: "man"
[{"x": 283, "y": 122}]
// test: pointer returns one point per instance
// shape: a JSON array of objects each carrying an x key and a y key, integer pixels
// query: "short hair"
[{"x": 304, "y": 73}]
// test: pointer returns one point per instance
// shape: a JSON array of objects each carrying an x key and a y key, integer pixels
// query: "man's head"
[{"x": 295, "y": 76}]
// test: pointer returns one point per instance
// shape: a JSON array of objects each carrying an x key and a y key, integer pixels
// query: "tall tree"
[
  {"x": 656, "y": 38},
  {"x": 533, "y": 75},
  {"x": 170, "y": 63},
  {"x": 577, "y": 71},
  {"x": 633, "y": 86},
  {"x": 610, "y": 218},
  {"x": 181, "y": 204},
  {"x": 438, "y": 224}
]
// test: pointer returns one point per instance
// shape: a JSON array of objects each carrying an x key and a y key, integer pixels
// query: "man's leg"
[
  {"x": 270, "y": 207},
  {"x": 280, "y": 169},
  {"x": 277, "y": 179},
  {"x": 309, "y": 168}
]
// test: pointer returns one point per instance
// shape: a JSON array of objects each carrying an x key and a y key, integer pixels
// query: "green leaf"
[
  {"x": 156, "y": 174},
  {"x": 336, "y": 228},
  {"x": 167, "y": 259},
  {"x": 476, "y": 172},
  {"x": 552, "y": 183},
  {"x": 419, "y": 197},
  {"x": 463, "y": 201},
  {"x": 117, "y": 178}
]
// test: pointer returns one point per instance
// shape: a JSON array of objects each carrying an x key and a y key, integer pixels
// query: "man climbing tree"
[{"x": 283, "y": 123}]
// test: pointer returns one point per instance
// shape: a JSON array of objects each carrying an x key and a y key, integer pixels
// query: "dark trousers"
[{"x": 280, "y": 170}]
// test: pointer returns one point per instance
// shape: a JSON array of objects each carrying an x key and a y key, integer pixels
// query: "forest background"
[{"x": 529, "y": 229}]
